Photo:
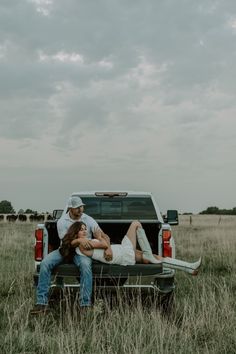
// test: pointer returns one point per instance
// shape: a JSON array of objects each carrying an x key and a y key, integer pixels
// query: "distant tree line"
[
  {"x": 7, "y": 208},
  {"x": 216, "y": 211}
]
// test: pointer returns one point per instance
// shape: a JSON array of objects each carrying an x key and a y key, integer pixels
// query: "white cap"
[{"x": 75, "y": 202}]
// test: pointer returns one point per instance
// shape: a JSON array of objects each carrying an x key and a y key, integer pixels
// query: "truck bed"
[
  {"x": 100, "y": 270},
  {"x": 116, "y": 232}
]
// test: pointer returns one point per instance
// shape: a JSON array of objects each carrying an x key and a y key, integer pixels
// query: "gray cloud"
[{"x": 119, "y": 86}]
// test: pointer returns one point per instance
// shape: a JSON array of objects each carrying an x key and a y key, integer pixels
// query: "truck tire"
[{"x": 167, "y": 304}]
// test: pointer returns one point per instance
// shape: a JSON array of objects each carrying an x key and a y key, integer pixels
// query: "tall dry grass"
[{"x": 203, "y": 319}]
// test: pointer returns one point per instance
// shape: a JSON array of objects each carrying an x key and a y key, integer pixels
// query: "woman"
[{"x": 122, "y": 254}]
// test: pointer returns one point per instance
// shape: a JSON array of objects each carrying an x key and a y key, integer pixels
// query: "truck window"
[{"x": 105, "y": 208}]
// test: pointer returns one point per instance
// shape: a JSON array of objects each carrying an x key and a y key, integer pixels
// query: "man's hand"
[
  {"x": 108, "y": 254},
  {"x": 85, "y": 244}
]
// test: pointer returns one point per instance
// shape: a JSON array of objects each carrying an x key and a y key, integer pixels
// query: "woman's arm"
[
  {"x": 89, "y": 244},
  {"x": 84, "y": 242},
  {"x": 98, "y": 243}
]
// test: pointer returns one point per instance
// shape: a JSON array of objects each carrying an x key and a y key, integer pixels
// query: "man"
[{"x": 75, "y": 212}]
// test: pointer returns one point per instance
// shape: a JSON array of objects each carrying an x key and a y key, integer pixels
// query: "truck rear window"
[{"x": 105, "y": 208}]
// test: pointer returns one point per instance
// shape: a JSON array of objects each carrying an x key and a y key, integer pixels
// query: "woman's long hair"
[{"x": 66, "y": 250}]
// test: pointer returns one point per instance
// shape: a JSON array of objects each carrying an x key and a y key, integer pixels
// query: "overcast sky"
[{"x": 118, "y": 95}]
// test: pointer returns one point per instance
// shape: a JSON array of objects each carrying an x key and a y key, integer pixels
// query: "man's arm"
[
  {"x": 107, "y": 252},
  {"x": 62, "y": 228},
  {"x": 97, "y": 233},
  {"x": 99, "y": 244},
  {"x": 100, "y": 235}
]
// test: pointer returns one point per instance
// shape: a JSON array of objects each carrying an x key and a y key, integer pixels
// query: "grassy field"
[{"x": 203, "y": 318}]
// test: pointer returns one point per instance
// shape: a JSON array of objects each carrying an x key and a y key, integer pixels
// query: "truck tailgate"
[{"x": 109, "y": 270}]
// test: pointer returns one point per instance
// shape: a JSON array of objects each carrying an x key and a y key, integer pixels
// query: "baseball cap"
[{"x": 75, "y": 202}]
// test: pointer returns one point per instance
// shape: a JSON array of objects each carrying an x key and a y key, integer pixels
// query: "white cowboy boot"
[
  {"x": 173, "y": 263},
  {"x": 145, "y": 246}
]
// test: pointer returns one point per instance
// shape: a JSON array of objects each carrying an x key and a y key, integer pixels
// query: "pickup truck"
[{"x": 114, "y": 211}]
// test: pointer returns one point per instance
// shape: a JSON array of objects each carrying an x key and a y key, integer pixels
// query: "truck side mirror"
[
  {"x": 56, "y": 214},
  {"x": 172, "y": 217}
]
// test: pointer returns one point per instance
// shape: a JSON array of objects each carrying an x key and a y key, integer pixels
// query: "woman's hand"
[{"x": 84, "y": 243}]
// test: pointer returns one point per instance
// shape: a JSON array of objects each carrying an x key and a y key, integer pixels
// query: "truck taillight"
[
  {"x": 38, "y": 255},
  {"x": 167, "y": 249}
]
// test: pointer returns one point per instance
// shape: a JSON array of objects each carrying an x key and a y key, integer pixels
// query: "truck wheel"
[
  {"x": 167, "y": 304},
  {"x": 36, "y": 279},
  {"x": 56, "y": 294}
]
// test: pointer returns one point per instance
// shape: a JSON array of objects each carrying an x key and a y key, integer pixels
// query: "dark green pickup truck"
[{"x": 114, "y": 211}]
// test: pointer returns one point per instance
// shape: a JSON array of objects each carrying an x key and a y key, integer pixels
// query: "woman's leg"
[
  {"x": 144, "y": 244},
  {"x": 132, "y": 232},
  {"x": 139, "y": 257},
  {"x": 173, "y": 263},
  {"x": 191, "y": 268},
  {"x": 135, "y": 232}
]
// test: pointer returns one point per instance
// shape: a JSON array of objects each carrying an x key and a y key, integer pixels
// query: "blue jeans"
[{"x": 53, "y": 259}]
